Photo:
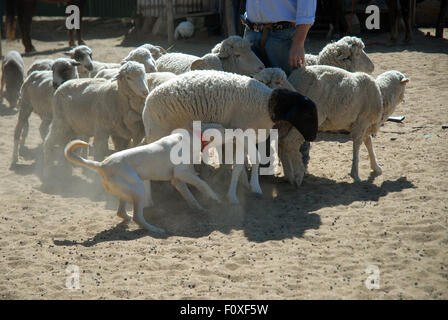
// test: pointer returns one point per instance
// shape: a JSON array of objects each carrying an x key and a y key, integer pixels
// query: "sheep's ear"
[
  {"x": 342, "y": 57},
  {"x": 116, "y": 77},
  {"x": 404, "y": 80},
  {"x": 161, "y": 50},
  {"x": 75, "y": 63},
  {"x": 196, "y": 64},
  {"x": 123, "y": 62},
  {"x": 68, "y": 53}
]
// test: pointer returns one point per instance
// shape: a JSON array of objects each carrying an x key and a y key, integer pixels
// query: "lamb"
[
  {"x": 143, "y": 56},
  {"x": 89, "y": 67},
  {"x": 235, "y": 101},
  {"x": 96, "y": 108},
  {"x": 352, "y": 102},
  {"x": 185, "y": 29},
  {"x": 156, "y": 51},
  {"x": 13, "y": 70},
  {"x": 123, "y": 173},
  {"x": 36, "y": 95},
  {"x": 40, "y": 65},
  {"x": 234, "y": 53},
  {"x": 347, "y": 53},
  {"x": 179, "y": 63}
]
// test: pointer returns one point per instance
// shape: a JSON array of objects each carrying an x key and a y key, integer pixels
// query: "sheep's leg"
[
  {"x": 187, "y": 175},
  {"x": 58, "y": 135},
  {"x": 22, "y": 123},
  {"x": 372, "y": 156},
  {"x": 186, "y": 194},
  {"x": 231, "y": 194},
  {"x": 43, "y": 128},
  {"x": 100, "y": 146},
  {"x": 255, "y": 182},
  {"x": 120, "y": 143}
]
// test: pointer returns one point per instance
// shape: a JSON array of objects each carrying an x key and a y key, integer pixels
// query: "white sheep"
[
  {"x": 36, "y": 95},
  {"x": 347, "y": 53},
  {"x": 40, "y": 65},
  {"x": 235, "y": 101},
  {"x": 345, "y": 101},
  {"x": 185, "y": 29},
  {"x": 179, "y": 63},
  {"x": 234, "y": 53},
  {"x": 156, "y": 51},
  {"x": 13, "y": 71},
  {"x": 96, "y": 108},
  {"x": 143, "y": 56}
]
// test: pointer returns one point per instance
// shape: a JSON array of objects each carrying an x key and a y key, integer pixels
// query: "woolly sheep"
[
  {"x": 347, "y": 53},
  {"x": 96, "y": 108},
  {"x": 234, "y": 54},
  {"x": 40, "y": 65},
  {"x": 13, "y": 70},
  {"x": 156, "y": 51},
  {"x": 184, "y": 29},
  {"x": 345, "y": 101},
  {"x": 36, "y": 95},
  {"x": 143, "y": 56},
  {"x": 235, "y": 101},
  {"x": 179, "y": 63}
]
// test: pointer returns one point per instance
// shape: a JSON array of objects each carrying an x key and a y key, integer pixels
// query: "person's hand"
[{"x": 297, "y": 56}]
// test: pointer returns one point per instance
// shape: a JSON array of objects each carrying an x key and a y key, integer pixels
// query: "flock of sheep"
[{"x": 139, "y": 102}]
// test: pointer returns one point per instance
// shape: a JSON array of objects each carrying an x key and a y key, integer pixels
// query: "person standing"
[{"x": 277, "y": 30}]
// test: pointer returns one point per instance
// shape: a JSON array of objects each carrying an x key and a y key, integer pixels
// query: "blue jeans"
[
  {"x": 277, "y": 51},
  {"x": 277, "y": 46}
]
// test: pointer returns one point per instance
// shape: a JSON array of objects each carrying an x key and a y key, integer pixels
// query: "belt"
[{"x": 259, "y": 27}]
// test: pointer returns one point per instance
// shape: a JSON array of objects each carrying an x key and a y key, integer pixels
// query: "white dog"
[{"x": 123, "y": 173}]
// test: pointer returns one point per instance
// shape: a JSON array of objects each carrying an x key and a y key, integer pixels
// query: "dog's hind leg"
[
  {"x": 131, "y": 187},
  {"x": 121, "y": 212}
]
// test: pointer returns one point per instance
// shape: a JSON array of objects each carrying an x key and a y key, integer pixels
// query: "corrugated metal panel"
[
  {"x": 94, "y": 8},
  {"x": 155, "y": 8}
]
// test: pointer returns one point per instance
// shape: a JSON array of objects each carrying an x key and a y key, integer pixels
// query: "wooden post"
[
  {"x": 230, "y": 18},
  {"x": 170, "y": 20}
]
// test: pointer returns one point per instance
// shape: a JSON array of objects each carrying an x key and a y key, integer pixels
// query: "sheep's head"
[
  {"x": 392, "y": 84},
  {"x": 274, "y": 78},
  {"x": 40, "y": 65},
  {"x": 295, "y": 108},
  {"x": 208, "y": 62},
  {"x": 237, "y": 56},
  {"x": 347, "y": 53},
  {"x": 132, "y": 75},
  {"x": 143, "y": 56},
  {"x": 64, "y": 69},
  {"x": 82, "y": 54},
  {"x": 156, "y": 51}
]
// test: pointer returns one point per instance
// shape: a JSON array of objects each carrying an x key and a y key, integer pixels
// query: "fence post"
[{"x": 170, "y": 21}]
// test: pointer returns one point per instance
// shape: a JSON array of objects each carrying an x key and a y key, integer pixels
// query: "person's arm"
[
  {"x": 297, "y": 51},
  {"x": 306, "y": 11}
]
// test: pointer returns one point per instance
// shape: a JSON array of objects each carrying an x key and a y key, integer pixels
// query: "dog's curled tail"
[{"x": 76, "y": 159}]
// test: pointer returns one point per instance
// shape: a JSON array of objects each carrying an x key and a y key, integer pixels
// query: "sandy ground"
[{"x": 315, "y": 242}]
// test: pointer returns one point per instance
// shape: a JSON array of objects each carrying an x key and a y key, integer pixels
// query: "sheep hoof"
[{"x": 233, "y": 200}]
